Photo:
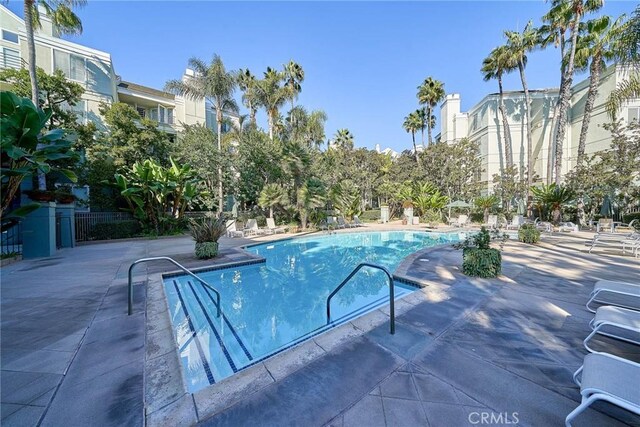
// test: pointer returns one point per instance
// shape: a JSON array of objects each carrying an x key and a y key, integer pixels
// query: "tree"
[
  {"x": 578, "y": 9},
  {"x": 247, "y": 83},
  {"x": 430, "y": 93},
  {"x": 411, "y": 124},
  {"x": 308, "y": 128},
  {"x": 272, "y": 95},
  {"x": 293, "y": 77},
  {"x": 518, "y": 45},
  {"x": 424, "y": 121},
  {"x": 493, "y": 67},
  {"x": 58, "y": 93},
  {"x": 273, "y": 195},
  {"x": 343, "y": 139},
  {"x": 212, "y": 82},
  {"x": 486, "y": 203},
  {"x": 554, "y": 197},
  {"x": 310, "y": 195},
  {"x": 25, "y": 149}
]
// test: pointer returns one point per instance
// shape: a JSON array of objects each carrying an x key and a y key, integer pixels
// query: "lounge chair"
[
  {"x": 543, "y": 225},
  {"x": 614, "y": 240},
  {"x": 608, "y": 318},
  {"x": 630, "y": 228},
  {"x": 568, "y": 227},
  {"x": 461, "y": 221},
  {"x": 271, "y": 227},
  {"x": 492, "y": 222},
  {"x": 231, "y": 229},
  {"x": 516, "y": 222},
  {"x": 357, "y": 222},
  {"x": 609, "y": 378},
  {"x": 343, "y": 223},
  {"x": 251, "y": 228},
  {"x": 331, "y": 222},
  {"x": 619, "y": 294}
]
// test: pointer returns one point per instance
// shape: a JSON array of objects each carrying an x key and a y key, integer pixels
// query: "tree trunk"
[
  {"x": 564, "y": 101},
  {"x": 594, "y": 80},
  {"x": 506, "y": 131},
  {"x": 429, "y": 124},
  {"x": 527, "y": 101},
  {"x": 220, "y": 192},
  {"x": 415, "y": 148},
  {"x": 270, "y": 211},
  {"x": 271, "y": 119}
]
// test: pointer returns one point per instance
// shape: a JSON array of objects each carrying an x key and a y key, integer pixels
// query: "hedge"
[{"x": 115, "y": 230}]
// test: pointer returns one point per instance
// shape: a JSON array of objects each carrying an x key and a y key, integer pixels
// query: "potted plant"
[
  {"x": 206, "y": 232},
  {"x": 479, "y": 259},
  {"x": 40, "y": 195},
  {"x": 64, "y": 197},
  {"x": 528, "y": 233}
]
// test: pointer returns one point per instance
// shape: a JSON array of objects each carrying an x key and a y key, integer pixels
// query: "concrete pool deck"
[{"x": 71, "y": 355}]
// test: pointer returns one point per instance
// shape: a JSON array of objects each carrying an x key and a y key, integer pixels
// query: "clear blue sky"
[{"x": 362, "y": 60}]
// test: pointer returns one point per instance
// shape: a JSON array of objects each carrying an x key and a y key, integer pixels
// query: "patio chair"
[
  {"x": 516, "y": 222},
  {"x": 568, "y": 227},
  {"x": 610, "y": 292},
  {"x": 461, "y": 221},
  {"x": 609, "y": 378},
  {"x": 608, "y": 317},
  {"x": 251, "y": 228},
  {"x": 605, "y": 225},
  {"x": 271, "y": 227},
  {"x": 630, "y": 228},
  {"x": 231, "y": 229},
  {"x": 357, "y": 222},
  {"x": 492, "y": 221},
  {"x": 543, "y": 225},
  {"x": 343, "y": 222},
  {"x": 331, "y": 222},
  {"x": 614, "y": 240}
]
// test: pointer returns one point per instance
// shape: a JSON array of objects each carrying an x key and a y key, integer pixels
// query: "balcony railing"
[{"x": 11, "y": 61}]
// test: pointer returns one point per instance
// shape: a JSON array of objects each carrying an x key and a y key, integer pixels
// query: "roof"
[{"x": 145, "y": 89}]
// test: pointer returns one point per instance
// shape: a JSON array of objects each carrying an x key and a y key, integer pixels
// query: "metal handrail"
[
  {"x": 180, "y": 266},
  {"x": 391, "y": 292}
]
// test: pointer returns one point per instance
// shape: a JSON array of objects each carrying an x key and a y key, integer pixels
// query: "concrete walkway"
[{"x": 71, "y": 356}]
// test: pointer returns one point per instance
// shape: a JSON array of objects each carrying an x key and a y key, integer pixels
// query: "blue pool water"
[{"x": 268, "y": 307}]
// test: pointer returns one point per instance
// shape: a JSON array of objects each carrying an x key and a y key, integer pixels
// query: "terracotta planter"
[
  {"x": 41, "y": 196},
  {"x": 66, "y": 198}
]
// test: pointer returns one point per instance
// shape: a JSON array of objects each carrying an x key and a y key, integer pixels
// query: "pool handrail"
[
  {"x": 391, "y": 292},
  {"x": 176, "y": 263}
]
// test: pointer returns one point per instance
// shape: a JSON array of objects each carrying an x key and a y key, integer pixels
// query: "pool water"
[{"x": 268, "y": 307}]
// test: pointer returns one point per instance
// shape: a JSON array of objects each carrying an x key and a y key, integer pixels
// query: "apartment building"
[
  {"x": 483, "y": 123},
  {"x": 94, "y": 70}
]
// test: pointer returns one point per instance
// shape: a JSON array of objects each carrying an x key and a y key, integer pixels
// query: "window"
[
  {"x": 153, "y": 114},
  {"x": 634, "y": 114},
  {"x": 9, "y": 36},
  {"x": 81, "y": 111},
  {"x": 141, "y": 111},
  {"x": 73, "y": 66},
  {"x": 170, "y": 116},
  {"x": 161, "y": 114},
  {"x": 10, "y": 58}
]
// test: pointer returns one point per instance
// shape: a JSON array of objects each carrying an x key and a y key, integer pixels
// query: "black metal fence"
[
  {"x": 85, "y": 221},
  {"x": 11, "y": 241}
]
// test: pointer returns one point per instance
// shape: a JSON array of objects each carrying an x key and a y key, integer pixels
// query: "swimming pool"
[{"x": 268, "y": 307}]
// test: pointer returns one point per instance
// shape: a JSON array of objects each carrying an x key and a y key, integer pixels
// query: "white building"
[{"x": 483, "y": 123}]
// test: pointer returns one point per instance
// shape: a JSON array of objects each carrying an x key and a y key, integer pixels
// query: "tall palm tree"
[
  {"x": 412, "y": 124},
  {"x": 430, "y": 93},
  {"x": 247, "y": 83},
  {"x": 422, "y": 116},
  {"x": 554, "y": 32},
  {"x": 343, "y": 139},
  {"x": 592, "y": 51},
  {"x": 272, "y": 95},
  {"x": 293, "y": 77},
  {"x": 495, "y": 66},
  {"x": 518, "y": 45},
  {"x": 578, "y": 9},
  {"x": 627, "y": 50},
  {"x": 215, "y": 83}
]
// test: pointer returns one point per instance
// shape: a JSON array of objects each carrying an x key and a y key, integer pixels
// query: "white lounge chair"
[
  {"x": 605, "y": 225},
  {"x": 516, "y": 222},
  {"x": 568, "y": 227},
  {"x": 492, "y": 222},
  {"x": 251, "y": 228},
  {"x": 357, "y": 222},
  {"x": 543, "y": 225},
  {"x": 331, "y": 222},
  {"x": 231, "y": 229},
  {"x": 608, "y": 317},
  {"x": 614, "y": 240},
  {"x": 271, "y": 227},
  {"x": 619, "y": 294},
  {"x": 343, "y": 223},
  {"x": 609, "y": 378},
  {"x": 461, "y": 221}
]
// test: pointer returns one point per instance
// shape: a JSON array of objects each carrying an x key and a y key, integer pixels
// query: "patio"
[{"x": 71, "y": 355}]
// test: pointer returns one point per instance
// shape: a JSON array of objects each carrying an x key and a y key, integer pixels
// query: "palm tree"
[
  {"x": 247, "y": 83},
  {"x": 306, "y": 127},
  {"x": 578, "y": 9},
  {"x": 626, "y": 90},
  {"x": 592, "y": 51},
  {"x": 486, "y": 203},
  {"x": 493, "y": 67},
  {"x": 553, "y": 196},
  {"x": 430, "y": 93},
  {"x": 273, "y": 195},
  {"x": 554, "y": 31},
  {"x": 412, "y": 124},
  {"x": 518, "y": 45},
  {"x": 422, "y": 116},
  {"x": 627, "y": 50},
  {"x": 310, "y": 196},
  {"x": 343, "y": 139},
  {"x": 271, "y": 95},
  {"x": 293, "y": 77},
  {"x": 215, "y": 83}
]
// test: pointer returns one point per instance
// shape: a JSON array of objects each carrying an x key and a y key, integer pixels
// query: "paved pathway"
[{"x": 71, "y": 356}]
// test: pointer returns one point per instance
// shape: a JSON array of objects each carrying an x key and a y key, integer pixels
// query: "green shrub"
[
  {"x": 478, "y": 262},
  {"x": 528, "y": 233},
  {"x": 116, "y": 230},
  {"x": 370, "y": 215},
  {"x": 630, "y": 217},
  {"x": 431, "y": 216},
  {"x": 477, "y": 217},
  {"x": 206, "y": 232},
  {"x": 206, "y": 250}
]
